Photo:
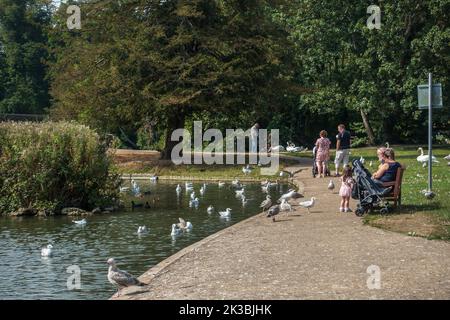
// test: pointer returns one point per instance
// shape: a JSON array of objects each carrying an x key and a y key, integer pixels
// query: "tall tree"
[{"x": 23, "y": 38}]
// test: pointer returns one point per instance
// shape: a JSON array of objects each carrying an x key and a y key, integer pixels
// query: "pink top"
[{"x": 323, "y": 149}]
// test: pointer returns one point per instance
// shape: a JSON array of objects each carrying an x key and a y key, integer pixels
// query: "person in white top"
[{"x": 254, "y": 138}]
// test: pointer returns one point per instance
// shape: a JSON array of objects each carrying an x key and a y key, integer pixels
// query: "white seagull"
[
  {"x": 291, "y": 194},
  {"x": 247, "y": 170},
  {"x": 285, "y": 206},
  {"x": 225, "y": 213},
  {"x": 266, "y": 204},
  {"x": 47, "y": 251},
  {"x": 142, "y": 230},
  {"x": 175, "y": 230},
  {"x": 308, "y": 204},
  {"x": 221, "y": 184},
  {"x": 80, "y": 222},
  {"x": 331, "y": 185},
  {"x": 210, "y": 209},
  {"x": 183, "y": 225},
  {"x": 119, "y": 278}
]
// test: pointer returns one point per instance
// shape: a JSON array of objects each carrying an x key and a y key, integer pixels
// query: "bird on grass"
[
  {"x": 183, "y": 225},
  {"x": 308, "y": 204},
  {"x": 424, "y": 158},
  {"x": 331, "y": 185},
  {"x": 47, "y": 251},
  {"x": 273, "y": 211},
  {"x": 119, "y": 278},
  {"x": 266, "y": 204}
]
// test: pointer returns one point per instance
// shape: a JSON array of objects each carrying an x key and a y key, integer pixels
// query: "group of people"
[{"x": 386, "y": 172}]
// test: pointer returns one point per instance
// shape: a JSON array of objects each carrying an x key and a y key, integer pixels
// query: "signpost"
[{"x": 429, "y": 97}]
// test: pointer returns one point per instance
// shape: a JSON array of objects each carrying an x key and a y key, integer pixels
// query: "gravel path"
[{"x": 321, "y": 255}]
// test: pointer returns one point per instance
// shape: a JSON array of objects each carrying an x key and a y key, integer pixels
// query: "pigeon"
[
  {"x": 210, "y": 209},
  {"x": 331, "y": 185},
  {"x": 119, "y": 278},
  {"x": 285, "y": 206},
  {"x": 183, "y": 225},
  {"x": 273, "y": 211},
  {"x": 225, "y": 213},
  {"x": 291, "y": 194},
  {"x": 47, "y": 251},
  {"x": 308, "y": 204},
  {"x": 266, "y": 204}
]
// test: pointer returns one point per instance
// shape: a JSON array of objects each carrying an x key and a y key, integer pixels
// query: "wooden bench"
[{"x": 396, "y": 194}]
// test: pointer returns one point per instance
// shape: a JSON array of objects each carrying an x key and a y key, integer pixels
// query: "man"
[
  {"x": 342, "y": 148},
  {"x": 254, "y": 138}
]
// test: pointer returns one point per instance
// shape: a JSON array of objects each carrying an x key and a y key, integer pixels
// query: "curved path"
[{"x": 321, "y": 255}]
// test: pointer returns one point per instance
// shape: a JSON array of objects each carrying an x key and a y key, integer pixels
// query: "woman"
[
  {"x": 387, "y": 171},
  {"x": 323, "y": 153}
]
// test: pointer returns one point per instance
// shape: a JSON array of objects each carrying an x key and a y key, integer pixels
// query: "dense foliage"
[
  {"x": 140, "y": 68},
  {"x": 53, "y": 165}
]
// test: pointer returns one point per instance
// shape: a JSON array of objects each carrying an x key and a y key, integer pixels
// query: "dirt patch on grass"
[{"x": 418, "y": 224}]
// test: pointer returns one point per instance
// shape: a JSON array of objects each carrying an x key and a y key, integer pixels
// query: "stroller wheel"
[
  {"x": 384, "y": 210},
  {"x": 360, "y": 212}
]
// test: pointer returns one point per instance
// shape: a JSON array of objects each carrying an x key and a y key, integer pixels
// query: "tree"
[
  {"x": 175, "y": 60},
  {"x": 23, "y": 39}
]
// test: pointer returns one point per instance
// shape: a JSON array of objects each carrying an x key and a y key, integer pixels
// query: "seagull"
[
  {"x": 80, "y": 222},
  {"x": 142, "y": 230},
  {"x": 210, "y": 209},
  {"x": 225, "y": 213},
  {"x": 272, "y": 184},
  {"x": 124, "y": 189},
  {"x": 154, "y": 178},
  {"x": 265, "y": 189},
  {"x": 194, "y": 203},
  {"x": 308, "y": 204},
  {"x": 264, "y": 183},
  {"x": 47, "y": 251},
  {"x": 178, "y": 189},
  {"x": 285, "y": 206},
  {"x": 266, "y": 204},
  {"x": 371, "y": 164},
  {"x": 183, "y": 225},
  {"x": 362, "y": 160},
  {"x": 193, "y": 195},
  {"x": 119, "y": 278},
  {"x": 424, "y": 158},
  {"x": 175, "y": 230},
  {"x": 240, "y": 193},
  {"x": 189, "y": 186},
  {"x": 202, "y": 190},
  {"x": 221, "y": 184},
  {"x": 273, "y": 211},
  {"x": 236, "y": 183},
  {"x": 244, "y": 200},
  {"x": 291, "y": 194},
  {"x": 331, "y": 185},
  {"x": 247, "y": 170}
]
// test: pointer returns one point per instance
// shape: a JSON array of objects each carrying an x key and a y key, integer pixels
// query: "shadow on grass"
[{"x": 412, "y": 208}]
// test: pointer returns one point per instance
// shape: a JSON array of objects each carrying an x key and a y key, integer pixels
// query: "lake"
[{"x": 24, "y": 274}]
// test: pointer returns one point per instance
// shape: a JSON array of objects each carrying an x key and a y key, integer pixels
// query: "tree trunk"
[
  {"x": 175, "y": 121},
  {"x": 368, "y": 128}
]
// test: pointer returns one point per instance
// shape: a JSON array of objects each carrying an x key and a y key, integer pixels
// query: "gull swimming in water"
[
  {"x": 194, "y": 203},
  {"x": 308, "y": 204},
  {"x": 183, "y": 225},
  {"x": 202, "y": 190},
  {"x": 225, "y": 213},
  {"x": 47, "y": 251},
  {"x": 119, "y": 278},
  {"x": 175, "y": 230},
  {"x": 210, "y": 209},
  {"x": 80, "y": 222},
  {"x": 178, "y": 189},
  {"x": 240, "y": 193},
  {"x": 142, "y": 230},
  {"x": 193, "y": 195}
]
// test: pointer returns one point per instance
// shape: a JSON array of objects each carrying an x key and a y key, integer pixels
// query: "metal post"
[{"x": 430, "y": 131}]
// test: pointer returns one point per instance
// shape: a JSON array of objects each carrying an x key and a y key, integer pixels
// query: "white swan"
[
  {"x": 225, "y": 213},
  {"x": 423, "y": 158},
  {"x": 80, "y": 222},
  {"x": 277, "y": 148},
  {"x": 47, "y": 251},
  {"x": 210, "y": 209}
]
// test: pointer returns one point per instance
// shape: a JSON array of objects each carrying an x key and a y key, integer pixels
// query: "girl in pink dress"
[
  {"x": 323, "y": 153},
  {"x": 345, "y": 192}
]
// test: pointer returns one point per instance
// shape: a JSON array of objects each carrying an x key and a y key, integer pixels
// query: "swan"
[
  {"x": 225, "y": 213},
  {"x": 80, "y": 222},
  {"x": 175, "y": 230},
  {"x": 210, "y": 209},
  {"x": 424, "y": 158},
  {"x": 277, "y": 148},
  {"x": 47, "y": 251}
]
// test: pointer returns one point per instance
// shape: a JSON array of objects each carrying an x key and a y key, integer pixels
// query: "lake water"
[{"x": 24, "y": 274}]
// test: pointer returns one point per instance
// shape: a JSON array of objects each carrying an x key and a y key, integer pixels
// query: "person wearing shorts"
[{"x": 342, "y": 148}]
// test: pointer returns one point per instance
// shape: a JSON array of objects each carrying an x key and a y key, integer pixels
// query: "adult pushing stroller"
[
  {"x": 367, "y": 192},
  {"x": 315, "y": 170}
]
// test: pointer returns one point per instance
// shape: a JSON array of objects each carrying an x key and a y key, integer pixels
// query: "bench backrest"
[{"x": 398, "y": 181}]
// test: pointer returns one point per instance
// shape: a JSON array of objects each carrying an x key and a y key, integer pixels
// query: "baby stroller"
[
  {"x": 367, "y": 192},
  {"x": 315, "y": 170}
]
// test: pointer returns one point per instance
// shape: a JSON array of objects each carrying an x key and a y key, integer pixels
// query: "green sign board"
[{"x": 422, "y": 92}]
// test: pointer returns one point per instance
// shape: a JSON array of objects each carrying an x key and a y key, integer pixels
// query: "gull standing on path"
[
  {"x": 308, "y": 204},
  {"x": 119, "y": 278},
  {"x": 291, "y": 194},
  {"x": 273, "y": 211},
  {"x": 331, "y": 185},
  {"x": 285, "y": 206},
  {"x": 266, "y": 204}
]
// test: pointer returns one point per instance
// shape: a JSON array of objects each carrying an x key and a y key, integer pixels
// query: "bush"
[{"x": 52, "y": 165}]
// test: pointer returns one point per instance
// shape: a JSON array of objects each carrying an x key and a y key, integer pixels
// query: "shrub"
[{"x": 52, "y": 165}]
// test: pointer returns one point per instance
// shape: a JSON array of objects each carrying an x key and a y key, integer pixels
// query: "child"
[{"x": 346, "y": 189}]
